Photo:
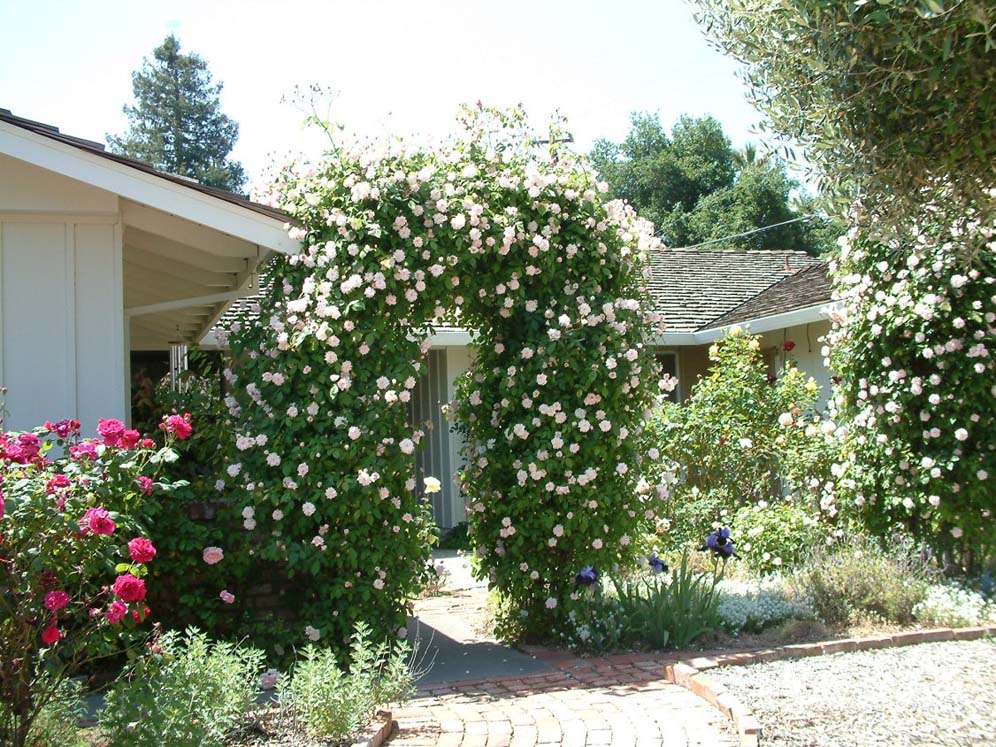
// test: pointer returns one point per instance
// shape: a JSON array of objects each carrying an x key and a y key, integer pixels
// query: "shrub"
[
  {"x": 58, "y": 720},
  {"x": 73, "y": 558},
  {"x": 860, "y": 580},
  {"x": 740, "y": 441},
  {"x": 186, "y": 692},
  {"x": 489, "y": 232},
  {"x": 776, "y": 537},
  {"x": 335, "y": 704}
]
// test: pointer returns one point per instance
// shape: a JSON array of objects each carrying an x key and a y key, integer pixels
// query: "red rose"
[
  {"x": 129, "y": 588},
  {"x": 98, "y": 521},
  {"x": 788, "y": 346},
  {"x": 56, "y": 600},
  {"x": 51, "y": 634},
  {"x": 141, "y": 550},
  {"x": 179, "y": 426},
  {"x": 146, "y": 443},
  {"x": 116, "y": 611}
]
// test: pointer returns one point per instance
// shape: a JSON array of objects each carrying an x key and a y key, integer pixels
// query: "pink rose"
[
  {"x": 141, "y": 550},
  {"x": 116, "y": 611},
  {"x": 179, "y": 425},
  {"x": 1, "y": 504},
  {"x": 58, "y": 482},
  {"x": 56, "y": 600},
  {"x": 64, "y": 428},
  {"x": 51, "y": 634},
  {"x": 98, "y": 521},
  {"x": 129, "y": 588},
  {"x": 129, "y": 438},
  {"x": 213, "y": 555},
  {"x": 85, "y": 450},
  {"x": 24, "y": 448},
  {"x": 226, "y": 596},
  {"x": 111, "y": 431},
  {"x": 145, "y": 484}
]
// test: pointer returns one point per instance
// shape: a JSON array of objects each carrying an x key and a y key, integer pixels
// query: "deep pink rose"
[
  {"x": 116, "y": 611},
  {"x": 85, "y": 450},
  {"x": 129, "y": 438},
  {"x": 141, "y": 550},
  {"x": 24, "y": 448},
  {"x": 145, "y": 484},
  {"x": 98, "y": 521},
  {"x": 179, "y": 425},
  {"x": 111, "y": 431},
  {"x": 1, "y": 504},
  {"x": 56, "y": 600},
  {"x": 129, "y": 588},
  {"x": 58, "y": 482},
  {"x": 64, "y": 428},
  {"x": 146, "y": 443},
  {"x": 51, "y": 634}
]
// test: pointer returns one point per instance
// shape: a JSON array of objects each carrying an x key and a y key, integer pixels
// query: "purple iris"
[
  {"x": 719, "y": 543},
  {"x": 656, "y": 564},
  {"x": 586, "y": 576}
]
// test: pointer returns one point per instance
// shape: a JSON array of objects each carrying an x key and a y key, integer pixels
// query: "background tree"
[
  {"x": 695, "y": 187},
  {"x": 176, "y": 123}
]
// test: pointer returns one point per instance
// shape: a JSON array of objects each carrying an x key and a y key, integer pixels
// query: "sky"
[{"x": 400, "y": 67}]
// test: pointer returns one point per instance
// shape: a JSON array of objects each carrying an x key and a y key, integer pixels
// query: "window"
[{"x": 668, "y": 361}]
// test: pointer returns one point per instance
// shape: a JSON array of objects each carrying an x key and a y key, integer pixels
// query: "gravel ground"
[{"x": 928, "y": 695}]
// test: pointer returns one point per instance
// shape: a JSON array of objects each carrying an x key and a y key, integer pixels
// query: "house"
[{"x": 102, "y": 257}]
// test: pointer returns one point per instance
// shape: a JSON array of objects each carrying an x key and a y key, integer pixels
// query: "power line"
[{"x": 748, "y": 233}]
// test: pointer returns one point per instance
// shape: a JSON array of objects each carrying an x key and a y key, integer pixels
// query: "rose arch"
[{"x": 497, "y": 233}]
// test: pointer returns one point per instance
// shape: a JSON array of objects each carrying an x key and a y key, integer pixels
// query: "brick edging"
[
  {"x": 379, "y": 731},
  {"x": 688, "y": 672}
]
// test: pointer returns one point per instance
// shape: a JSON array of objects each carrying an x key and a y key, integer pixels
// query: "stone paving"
[{"x": 620, "y": 700}]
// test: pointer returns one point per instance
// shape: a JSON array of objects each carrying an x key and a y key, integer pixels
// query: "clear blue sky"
[{"x": 401, "y": 66}]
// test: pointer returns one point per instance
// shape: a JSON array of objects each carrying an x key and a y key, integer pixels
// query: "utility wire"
[{"x": 748, "y": 233}]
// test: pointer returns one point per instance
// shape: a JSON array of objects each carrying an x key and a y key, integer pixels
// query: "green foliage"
[
  {"x": 886, "y": 96},
  {"x": 776, "y": 537},
  {"x": 740, "y": 441},
  {"x": 57, "y": 722},
  {"x": 860, "y": 580},
  {"x": 496, "y": 235},
  {"x": 674, "y": 610},
  {"x": 456, "y": 538},
  {"x": 914, "y": 341},
  {"x": 333, "y": 704},
  {"x": 176, "y": 123},
  {"x": 186, "y": 692},
  {"x": 695, "y": 188}
]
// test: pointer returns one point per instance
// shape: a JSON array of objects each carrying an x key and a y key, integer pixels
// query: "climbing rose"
[
  {"x": 179, "y": 426},
  {"x": 98, "y": 521},
  {"x": 56, "y": 600},
  {"x": 141, "y": 550},
  {"x": 129, "y": 588},
  {"x": 213, "y": 555},
  {"x": 129, "y": 438},
  {"x": 226, "y": 596},
  {"x": 51, "y": 634},
  {"x": 116, "y": 611},
  {"x": 432, "y": 485}
]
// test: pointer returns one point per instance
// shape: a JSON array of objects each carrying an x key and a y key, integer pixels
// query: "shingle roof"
[
  {"x": 50, "y": 131},
  {"x": 808, "y": 287},
  {"x": 692, "y": 288}
]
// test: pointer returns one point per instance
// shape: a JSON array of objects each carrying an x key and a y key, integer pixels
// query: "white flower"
[
  {"x": 406, "y": 446},
  {"x": 785, "y": 419},
  {"x": 308, "y": 508},
  {"x": 745, "y": 443},
  {"x": 277, "y": 514},
  {"x": 551, "y": 603},
  {"x": 432, "y": 485},
  {"x": 313, "y": 634}
]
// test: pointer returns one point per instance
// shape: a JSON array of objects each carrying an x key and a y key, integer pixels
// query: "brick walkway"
[{"x": 621, "y": 700}]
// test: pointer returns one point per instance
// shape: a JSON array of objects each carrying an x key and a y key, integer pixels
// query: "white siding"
[
  {"x": 61, "y": 321},
  {"x": 808, "y": 339}
]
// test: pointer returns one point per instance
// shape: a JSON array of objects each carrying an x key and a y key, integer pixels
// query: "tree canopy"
[
  {"x": 696, "y": 187},
  {"x": 176, "y": 123}
]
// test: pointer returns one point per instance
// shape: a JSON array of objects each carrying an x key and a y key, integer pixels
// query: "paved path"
[{"x": 470, "y": 699}]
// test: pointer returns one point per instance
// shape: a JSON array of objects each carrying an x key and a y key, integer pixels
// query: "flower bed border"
[
  {"x": 688, "y": 672},
  {"x": 378, "y": 731}
]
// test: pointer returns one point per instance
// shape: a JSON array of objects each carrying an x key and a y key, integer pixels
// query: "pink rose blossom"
[
  {"x": 98, "y": 521},
  {"x": 116, "y": 611},
  {"x": 129, "y": 588},
  {"x": 141, "y": 550},
  {"x": 226, "y": 596},
  {"x": 213, "y": 555},
  {"x": 56, "y": 600},
  {"x": 111, "y": 431}
]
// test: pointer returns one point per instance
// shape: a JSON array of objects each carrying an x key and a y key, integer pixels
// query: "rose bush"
[
  {"x": 913, "y": 342},
  {"x": 73, "y": 557},
  {"x": 492, "y": 233}
]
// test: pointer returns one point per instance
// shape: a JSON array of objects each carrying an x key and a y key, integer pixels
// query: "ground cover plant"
[
  {"x": 499, "y": 234},
  {"x": 73, "y": 559}
]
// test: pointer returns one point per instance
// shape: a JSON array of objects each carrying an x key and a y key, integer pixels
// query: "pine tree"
[{"x": 176, "y": 123}]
